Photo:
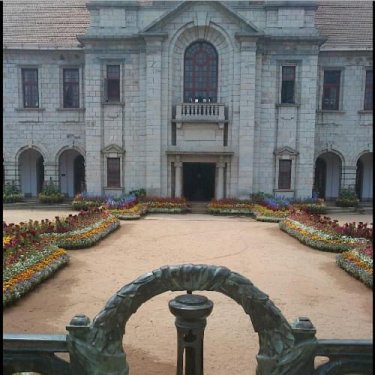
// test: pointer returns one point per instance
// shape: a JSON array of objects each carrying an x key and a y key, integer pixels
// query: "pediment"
[
  {"x": 286, "y": 150},
  {"x": 110, "y": 149},
  {"x": 202, "y": 13}
]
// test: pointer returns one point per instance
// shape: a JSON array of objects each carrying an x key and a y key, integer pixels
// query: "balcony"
[{"x": 206, "y": 112}]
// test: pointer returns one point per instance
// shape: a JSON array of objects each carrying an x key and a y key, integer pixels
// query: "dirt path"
[{"x": 299, "y": 280}]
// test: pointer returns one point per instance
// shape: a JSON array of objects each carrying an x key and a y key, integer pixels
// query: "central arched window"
[{"x": 200, "y": 73}]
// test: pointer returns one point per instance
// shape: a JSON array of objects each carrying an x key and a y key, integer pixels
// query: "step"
[{"x": 198, "y": 207}]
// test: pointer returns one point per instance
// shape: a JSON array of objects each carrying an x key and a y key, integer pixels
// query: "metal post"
[{"x": 191, "y": 311}]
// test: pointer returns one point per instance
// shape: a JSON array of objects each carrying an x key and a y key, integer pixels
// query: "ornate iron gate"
[{"x": 96, "y": 348}]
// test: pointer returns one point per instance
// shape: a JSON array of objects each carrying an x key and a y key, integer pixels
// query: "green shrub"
[
  {"x": 347, "y": 198},
  {"x": 50, "y": 194},
  {"x": 138, "y": 193},
  {"x": 316, "y": 208},
  {"x": 11, "y": 193}
]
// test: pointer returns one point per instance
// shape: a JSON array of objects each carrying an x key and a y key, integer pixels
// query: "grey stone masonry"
[{"x": 242, "y": 139}]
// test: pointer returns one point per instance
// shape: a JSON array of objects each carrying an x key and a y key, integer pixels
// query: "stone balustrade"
[{"x": 200, "y": 111}]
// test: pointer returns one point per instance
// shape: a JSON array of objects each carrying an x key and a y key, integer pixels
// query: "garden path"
[{"x": 299, "y": 280}]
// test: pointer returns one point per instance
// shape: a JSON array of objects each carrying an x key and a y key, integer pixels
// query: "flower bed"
[
  {"x": 165, "y": 205},
  {"x": 358, "y": 263},
  {"x": 85, "y": 237},
  {"x": 32, "y": 251},
  {"x": 230, "y": 206},
  {"x": 133, "y": 213},
  {"x": 27, "y": 260},
  {"x": 21, "y": 277},
  {"x": 325, "y": 239},
  {"x": 263, "y": 213}
]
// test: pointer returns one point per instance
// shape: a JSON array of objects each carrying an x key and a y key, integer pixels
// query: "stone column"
[
  {"x": 51, "y": 173},
  {"x": 178, "y": 176},
  {"x": 153, "y": 114},
  {"x": 247, "y": 115},
  {"x": 220, "y": 180}
]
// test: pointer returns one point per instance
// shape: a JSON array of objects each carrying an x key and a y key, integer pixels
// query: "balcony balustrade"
[{"x": 211, "y": 112}]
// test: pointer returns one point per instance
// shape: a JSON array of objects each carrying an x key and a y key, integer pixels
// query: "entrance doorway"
[{"x": 199, "y": 181}]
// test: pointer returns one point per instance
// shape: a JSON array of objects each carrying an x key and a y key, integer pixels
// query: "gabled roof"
[
  {"x": 55, "y": 23},
  {"x": 157, "y": 24},
  {"x": 347, "y": 24},
  {"x": 44, "y": 23}
]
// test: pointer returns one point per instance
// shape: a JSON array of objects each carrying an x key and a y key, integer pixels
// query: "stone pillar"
[
  {"x": 220, "y": 180},
  {"x": 153, "y": 114},
  {"x": 11, "y": 173},
  {"x": 348, "y": 177},
  {"x": 51, "y": 173},
  {"x": 178, "y": 176},
  {"x": 93, "y": 131},
  {"x": 247, "y": 115}
]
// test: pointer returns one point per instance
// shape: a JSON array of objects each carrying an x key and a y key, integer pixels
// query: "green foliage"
[
  {"x": 11, "y": 193},
  {"x": 138, "y": 193},
  {"x": 347, "y": 198},
  {"x": 260, "y": 196},
  {"x": 50, "y": 194}
]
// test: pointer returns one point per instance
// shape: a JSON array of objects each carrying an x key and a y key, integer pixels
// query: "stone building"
[{"x": 196, "y": 98}]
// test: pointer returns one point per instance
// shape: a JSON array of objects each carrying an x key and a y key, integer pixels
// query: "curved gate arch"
[{"x": 96, "y": 348}]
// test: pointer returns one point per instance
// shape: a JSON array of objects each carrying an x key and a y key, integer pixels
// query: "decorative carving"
[{"x": 100, "y": 350}]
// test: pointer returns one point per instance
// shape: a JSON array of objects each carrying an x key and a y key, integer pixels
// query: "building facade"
[{"x": 199, "y": 99}]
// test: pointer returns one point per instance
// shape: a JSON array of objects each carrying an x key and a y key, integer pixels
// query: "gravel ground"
[{"x": 299, "y": 280}]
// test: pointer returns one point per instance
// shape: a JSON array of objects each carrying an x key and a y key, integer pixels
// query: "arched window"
[{"x": 200, "y": 73}]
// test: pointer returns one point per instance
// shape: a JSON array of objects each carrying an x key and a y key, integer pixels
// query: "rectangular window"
[
  {"x": 113, "y": 172},
  {"x": 368, "y": 91},
  {"x": 113, "y": 83},
  {"x": 71, "y": 88},
  {"x": 30, "y": 88},
  {"x": 331, "y": 90},
  {"x": 285, "y": 174},
  {"x": 288, "y": 80}
]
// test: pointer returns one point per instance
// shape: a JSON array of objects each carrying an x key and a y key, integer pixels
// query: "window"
[
  {"x": 71, "y": 88},
  {"x": 285, "y": 174},
  {"x": 30, "y": 88},
  {"x": 368, "y": 91},
  {"x": 331, "y": 90},
  {"x": 288, "y": 78},
  {"x": 113, "y": 83},
  {"x": 200, "y": 73},
  {"x": 113, "y": 172}
]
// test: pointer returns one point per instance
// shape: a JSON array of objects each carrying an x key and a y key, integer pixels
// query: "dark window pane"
[
  {"x": 30, "y": 88},
  {"x": 285, "y": 174},
  {"x": 288, "y": 84},
  {"x": 200, "y": 72},
  {"x": 368, "y": 105},
  {"x": 113, "y": 172},
  {"x": 113, "y": 83},
  {"x": 71, "y": 88},
  {"x": 331, "y": 90}
]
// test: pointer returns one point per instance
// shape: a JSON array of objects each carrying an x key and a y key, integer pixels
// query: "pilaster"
[
  {"x": 247, "y": 115},
  {"x": 153, "y": 114}
]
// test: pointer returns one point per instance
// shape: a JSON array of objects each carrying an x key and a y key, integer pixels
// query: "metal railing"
[{"x": 96, "y": 348}]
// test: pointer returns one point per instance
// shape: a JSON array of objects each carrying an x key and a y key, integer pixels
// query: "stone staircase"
[
  {"x": 363, "y": 208},
  {"x": 198, "y": 207},
  {"x": 33, "y": 203}
]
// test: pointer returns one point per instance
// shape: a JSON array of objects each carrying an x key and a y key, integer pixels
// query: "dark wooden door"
[{"x": 199, "y": 181}]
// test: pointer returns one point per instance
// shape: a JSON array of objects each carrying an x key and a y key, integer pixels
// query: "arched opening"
[
  {"x": 327, "y": 179},
  {"x": 31, "y": 171},
  {"x": 79, "y": 174},
  {"x": 71, "y": 172},
  {"x": 200, "y": 73},
  {"x": 364, "y": 185},
  {"x": 320, "y": 178}
]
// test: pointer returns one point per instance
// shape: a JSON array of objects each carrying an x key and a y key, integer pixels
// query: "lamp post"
[{"x": 191, "y": 311}]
